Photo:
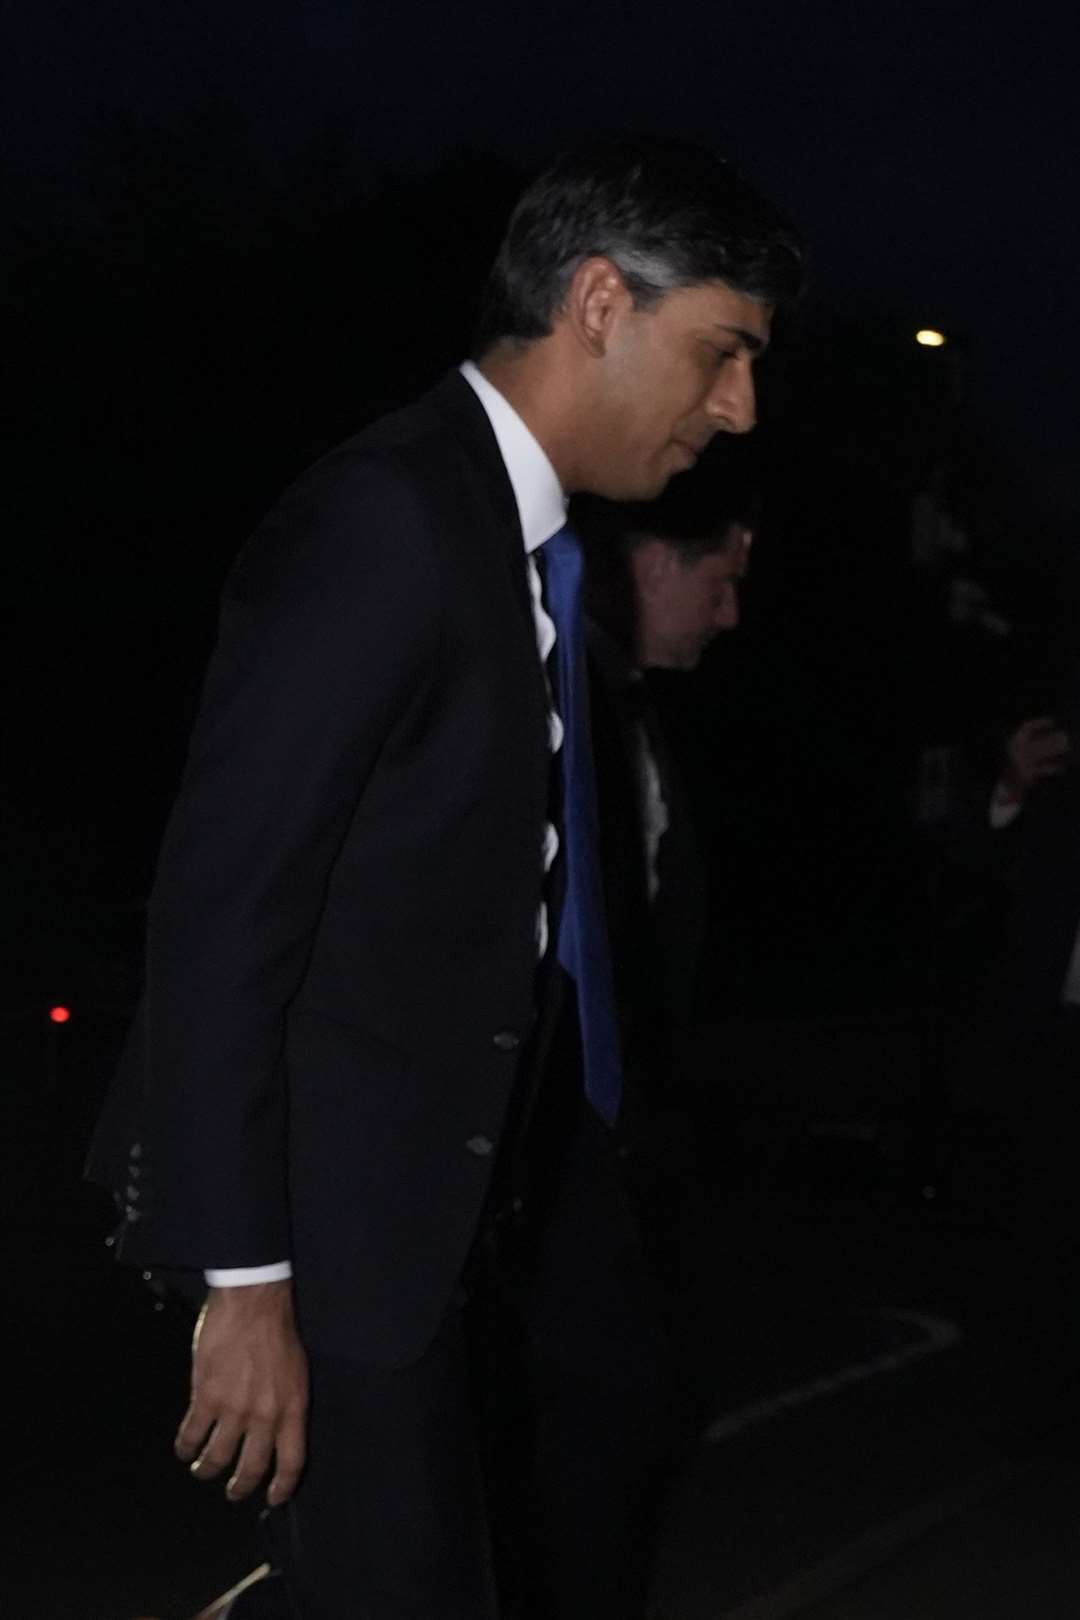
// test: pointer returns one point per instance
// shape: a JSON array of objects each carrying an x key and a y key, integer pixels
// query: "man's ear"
[
  {"x": 653, "y": 562},
  {"x": 596, "y": 298}
]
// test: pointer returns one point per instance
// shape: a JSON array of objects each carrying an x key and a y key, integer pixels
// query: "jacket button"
[
  {"x": 131, "y": 1215},
  {"x": 480, "y": 1145},
  {"x": 132, "y": 1194},
  {"x": 507, "y": 1040}
]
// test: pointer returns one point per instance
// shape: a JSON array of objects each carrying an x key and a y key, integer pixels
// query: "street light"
[{"x": 930, "y": 338}]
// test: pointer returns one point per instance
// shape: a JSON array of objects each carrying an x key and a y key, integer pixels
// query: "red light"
[{"x": 60, "y": 1015}]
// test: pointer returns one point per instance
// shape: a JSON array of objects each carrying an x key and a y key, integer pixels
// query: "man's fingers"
[
  {"x": 213, "y": 1453},
  {"x": 194, "y": 1428},
  {"x": 261, "y": 1447},
  {"x": 1041, "y": 737},
  {"x": 1038, "y": 749},
  {"x": 291, "y": 1455},
  {"x": 253, "y": 1463},
  {"x": 1048, "y": 757},
  {"x": 218, "y": 1451},
  {"x": 249, "y": 1392}
]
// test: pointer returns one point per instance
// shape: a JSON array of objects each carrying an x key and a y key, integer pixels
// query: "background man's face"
[
  {"x": 682, "y": 606},
  {"x": 676, "y": 375}
]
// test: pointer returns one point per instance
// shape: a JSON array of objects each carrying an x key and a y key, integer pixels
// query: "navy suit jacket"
[
  {"x": 341, "y": 956},
  {"x": 656, "y": 945}
]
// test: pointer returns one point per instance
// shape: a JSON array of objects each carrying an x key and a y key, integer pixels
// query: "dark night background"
[{"x": 234, "y": 233}]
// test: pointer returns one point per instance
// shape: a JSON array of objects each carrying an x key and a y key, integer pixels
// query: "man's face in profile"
[
  {"x": 675, "y": 375},
  {"x": 683, "y": 605}
]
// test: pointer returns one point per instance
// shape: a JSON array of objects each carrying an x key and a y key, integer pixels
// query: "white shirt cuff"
[
  {"x": 1003, "y": 808},
  {"x": 246, "y": 1276}
]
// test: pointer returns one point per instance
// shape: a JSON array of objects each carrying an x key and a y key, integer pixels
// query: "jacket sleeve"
[{"x": 328, "y": 631}]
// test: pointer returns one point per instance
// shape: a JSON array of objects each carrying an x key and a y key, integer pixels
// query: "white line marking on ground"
[
  {"x": 938, "y": 1334},
  {"x": 878, "y": 1546}
]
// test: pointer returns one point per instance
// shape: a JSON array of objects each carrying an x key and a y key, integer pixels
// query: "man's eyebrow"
[{"x": 749, "y": 340}]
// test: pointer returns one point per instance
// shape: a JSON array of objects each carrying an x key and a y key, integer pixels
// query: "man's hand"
[
  {"x": 249, "y": 1392},
  {"x": 1037, "y": 749}
]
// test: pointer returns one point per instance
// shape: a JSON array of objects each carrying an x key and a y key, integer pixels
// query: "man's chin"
[
  {"x": 642, "y": 484},
  {"x": 675, "y": 658},
  {"x": 649, "y": 488}
]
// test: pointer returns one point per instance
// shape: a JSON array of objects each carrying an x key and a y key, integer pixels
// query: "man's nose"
[{"x": 733, "y": 403}]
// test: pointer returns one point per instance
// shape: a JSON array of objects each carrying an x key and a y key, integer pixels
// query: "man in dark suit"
[
  {"x": 361, "y": 1085},
  {"x": 663, "y": 582}
]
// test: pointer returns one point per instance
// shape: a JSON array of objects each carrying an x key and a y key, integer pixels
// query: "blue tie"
[{"x": 582, "y": 947}]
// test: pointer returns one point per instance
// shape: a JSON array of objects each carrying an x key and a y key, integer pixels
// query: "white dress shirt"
[
  {"x": 654, "y": 814},
  {"x": 541, "y": 503}
]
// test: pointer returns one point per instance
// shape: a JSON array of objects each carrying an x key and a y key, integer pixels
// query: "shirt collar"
[{"x": 541, "y": 501}]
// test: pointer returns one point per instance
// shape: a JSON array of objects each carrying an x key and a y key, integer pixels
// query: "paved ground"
[{"x": 1010, "y": 1552}]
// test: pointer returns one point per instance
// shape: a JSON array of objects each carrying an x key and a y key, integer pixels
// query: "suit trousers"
[{"x": 517, "y": 1467}]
